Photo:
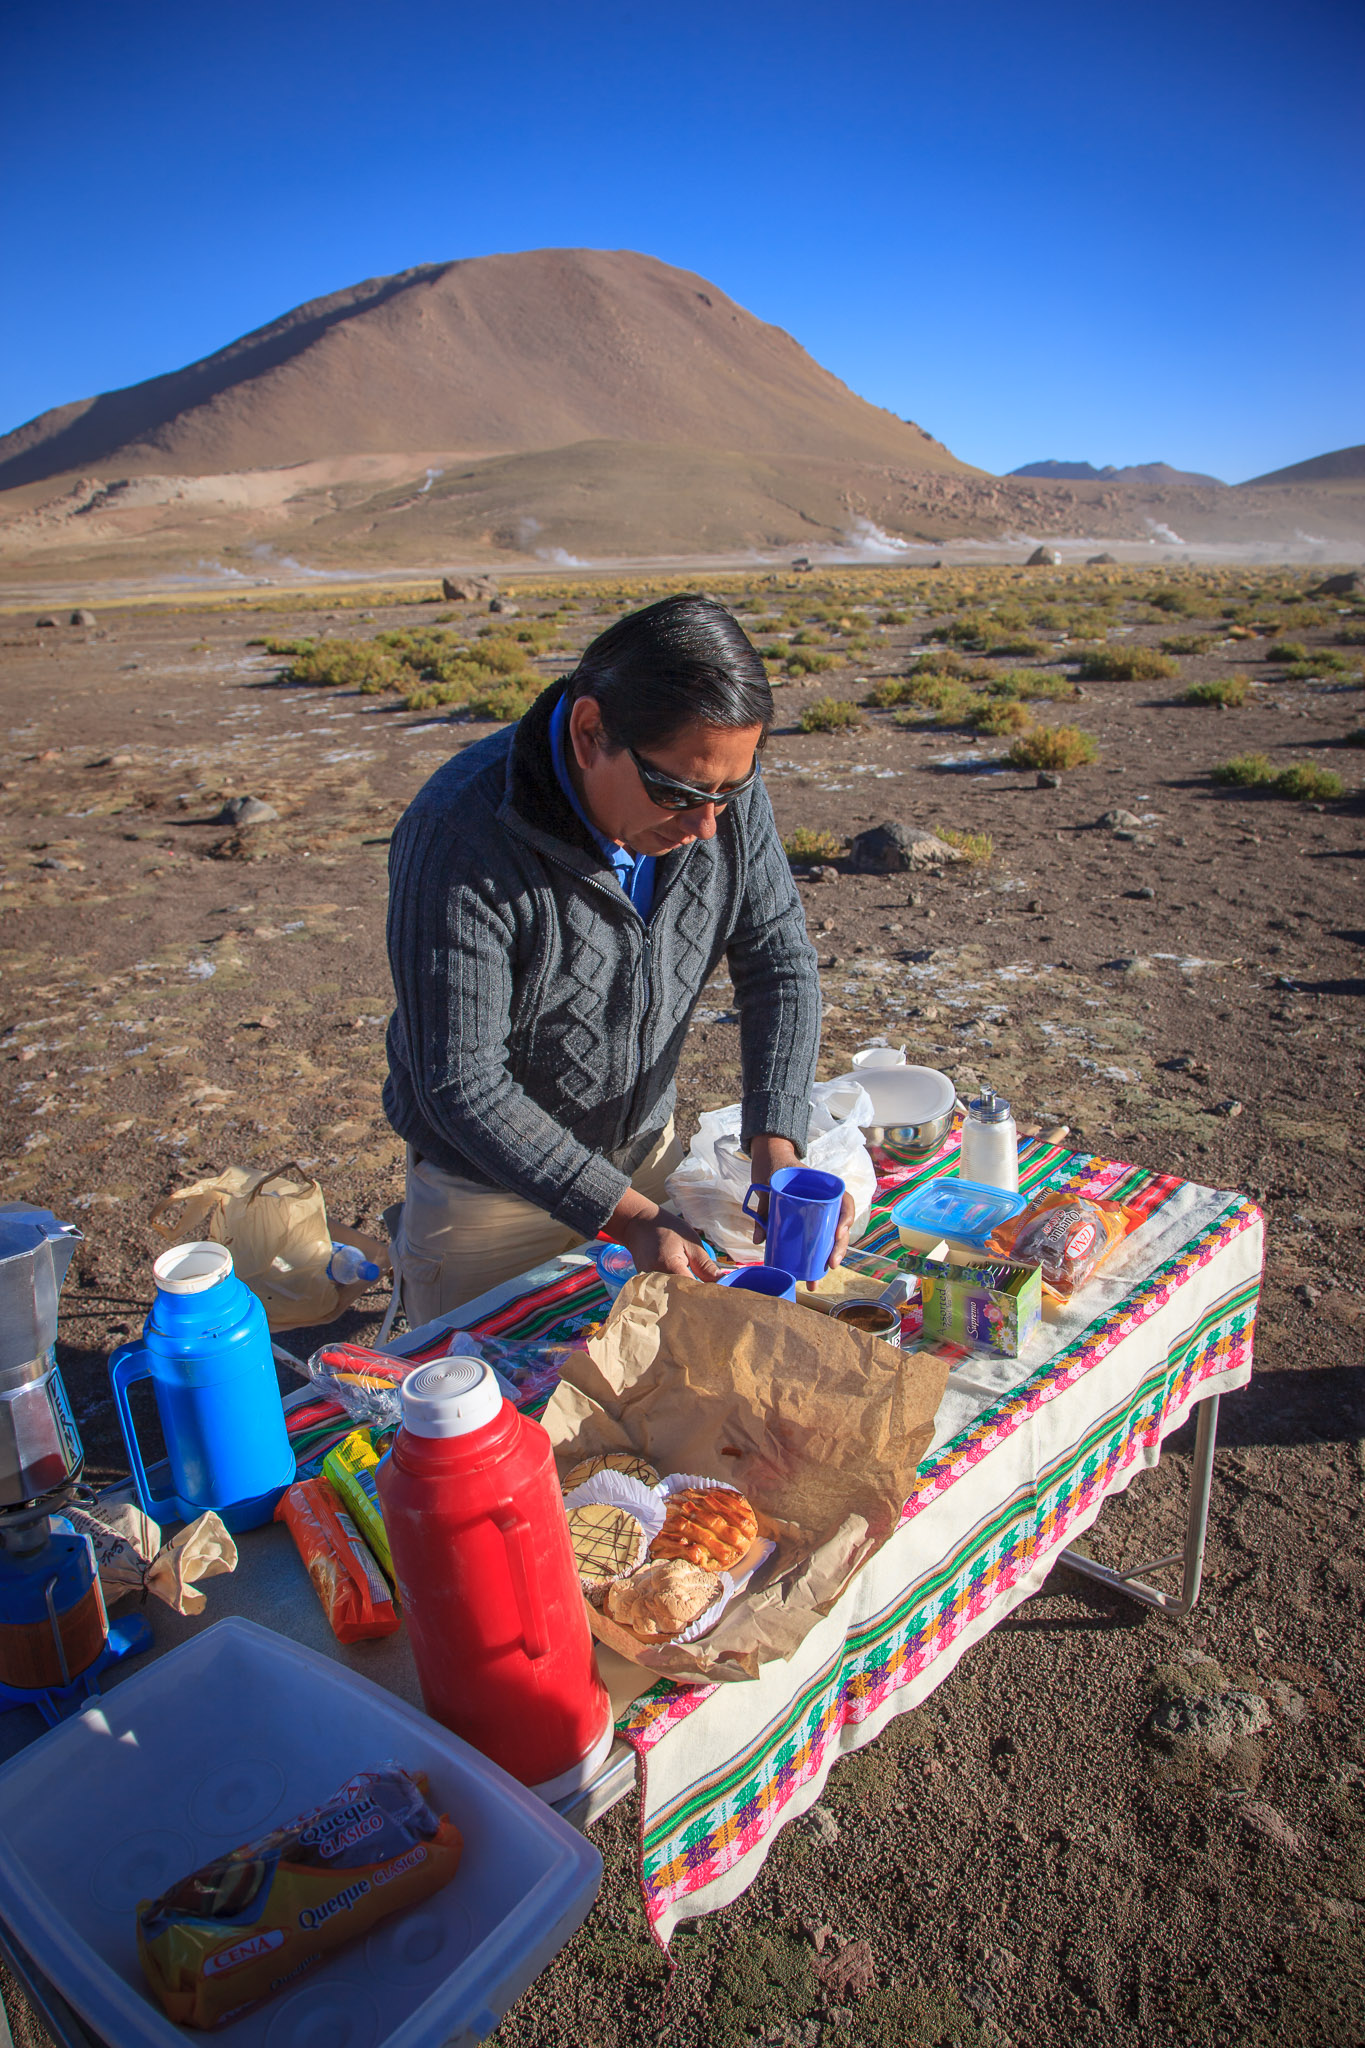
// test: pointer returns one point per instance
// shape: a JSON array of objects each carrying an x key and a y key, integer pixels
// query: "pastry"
[
  {"x": 662, "y": 1598},
  {"x": 711, "y": 1527},
  {"x": 607, "y": 1543},
  {"x": 610, "y": 1461}
]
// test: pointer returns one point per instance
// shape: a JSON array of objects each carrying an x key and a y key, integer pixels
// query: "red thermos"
[{"x": 486, "y": 1574}]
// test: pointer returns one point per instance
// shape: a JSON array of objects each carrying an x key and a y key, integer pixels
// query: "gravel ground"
[{"x": 1104, "y": 1826}]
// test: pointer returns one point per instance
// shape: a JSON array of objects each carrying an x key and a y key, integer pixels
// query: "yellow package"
[
  {"x": 252, "y": 1922},
  {"x": 351, "y": 1466}
]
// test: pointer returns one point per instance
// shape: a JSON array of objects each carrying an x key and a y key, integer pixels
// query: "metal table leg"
[{"x": 1191, "y": 1558}]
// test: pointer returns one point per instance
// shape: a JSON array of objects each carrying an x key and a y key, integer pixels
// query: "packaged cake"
[{"x": 244, "y": 1926}]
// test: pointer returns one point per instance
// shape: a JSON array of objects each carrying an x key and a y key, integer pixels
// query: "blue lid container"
[
  {"x": 963, "y": 1211},
  {"x": 614, "y": 1266}
]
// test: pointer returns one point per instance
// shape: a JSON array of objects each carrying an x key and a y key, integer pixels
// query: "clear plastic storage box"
[{"x": 220, "y": 1739}]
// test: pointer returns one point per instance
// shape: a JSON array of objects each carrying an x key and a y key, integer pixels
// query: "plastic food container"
[
  {"x": 965, "y": 1212},
  {"x": 226, "y": 1736},
  {"x": 614, "y": 1266}
]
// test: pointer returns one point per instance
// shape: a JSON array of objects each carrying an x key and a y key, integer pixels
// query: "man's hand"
[
  {"x": 657, "y": 1240},
  {"x": 768, "y": 1156}
]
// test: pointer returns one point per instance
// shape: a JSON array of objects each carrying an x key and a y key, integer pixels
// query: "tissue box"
[{"x": 996, "y": 1301}]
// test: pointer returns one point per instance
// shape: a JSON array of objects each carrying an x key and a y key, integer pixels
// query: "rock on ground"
[{"x": 892, "y": 849}]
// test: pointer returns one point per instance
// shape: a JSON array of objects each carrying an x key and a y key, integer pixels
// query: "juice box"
[{"x": 997, "y": 1302}]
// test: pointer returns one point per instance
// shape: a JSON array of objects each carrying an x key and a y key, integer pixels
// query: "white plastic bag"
[{"x": 708, "y": 1187}]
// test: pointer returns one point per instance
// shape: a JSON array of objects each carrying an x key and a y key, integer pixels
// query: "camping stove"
[{"x": 55, "y": 1637}]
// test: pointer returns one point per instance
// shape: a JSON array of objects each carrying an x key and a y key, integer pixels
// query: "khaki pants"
[{"x": 456, "y": 1239}]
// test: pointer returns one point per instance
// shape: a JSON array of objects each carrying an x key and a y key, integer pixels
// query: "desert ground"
[{"x": 1167, "y": 962}]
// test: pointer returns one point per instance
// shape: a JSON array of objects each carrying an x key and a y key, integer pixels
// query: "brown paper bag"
[
  {"x": 821, "y": 1427},
  {"x": 277, "y": 1231},
  {"x": 131, "y": 1558}
]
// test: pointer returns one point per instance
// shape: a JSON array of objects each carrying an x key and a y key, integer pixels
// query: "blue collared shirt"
[{"x": 634, "y": 871}]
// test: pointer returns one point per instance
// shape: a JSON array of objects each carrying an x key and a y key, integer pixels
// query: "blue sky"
[{"x": 1117, "y": 233}]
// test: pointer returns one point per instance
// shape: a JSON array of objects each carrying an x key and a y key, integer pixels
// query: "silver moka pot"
[{"x": 40, "y": 1447}]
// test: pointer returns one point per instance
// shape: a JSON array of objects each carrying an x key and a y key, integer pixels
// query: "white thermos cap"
[{"x": 450, "y": 1397}]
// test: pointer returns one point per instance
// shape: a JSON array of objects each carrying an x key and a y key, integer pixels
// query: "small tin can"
[{"x": 871, "y": 1319}]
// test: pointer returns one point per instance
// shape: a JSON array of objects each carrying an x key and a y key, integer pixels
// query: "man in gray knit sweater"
[{"x": 559, "y": 895}]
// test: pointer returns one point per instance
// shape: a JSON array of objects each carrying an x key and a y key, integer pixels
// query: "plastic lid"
[
  {"x": 989, "y": 1108},
  {"x": 965, "y": 1211},
  {"x": 192, "y": 1268},
  {"x": 450, "y": 1397},
  {"x": 615, "y": 1260}
]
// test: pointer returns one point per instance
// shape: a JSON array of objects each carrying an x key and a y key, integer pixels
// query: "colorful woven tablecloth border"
[
  {"x": 724, "y": 1817},
  {"x": 1224, "y": 1350}
]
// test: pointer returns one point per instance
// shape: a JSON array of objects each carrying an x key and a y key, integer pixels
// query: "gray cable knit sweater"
[{"x": 539, "y": 1019}]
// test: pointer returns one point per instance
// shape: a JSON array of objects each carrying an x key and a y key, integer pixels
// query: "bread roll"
[
  {"x": 712, "y": 1528},
  {"x": 662, "y": 1598}
]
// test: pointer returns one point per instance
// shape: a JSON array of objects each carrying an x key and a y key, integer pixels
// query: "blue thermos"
[{"x": 206, "y": 1349}]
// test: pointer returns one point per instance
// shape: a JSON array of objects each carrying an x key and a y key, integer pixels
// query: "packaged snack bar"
[
  {"x": 1069, "y": 1236},
  {"x": 350, "y": 1466},
  {"x": 366, "y": 1383},
  {"x": 346, "y": 1579},
  {"x": 246, "y": 1925}
]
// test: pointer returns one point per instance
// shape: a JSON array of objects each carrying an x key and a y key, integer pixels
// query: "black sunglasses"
[{"x": 671, "y": 795}]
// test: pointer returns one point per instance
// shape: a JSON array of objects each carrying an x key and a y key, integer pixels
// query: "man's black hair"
[{"x": 684, "y": 661}]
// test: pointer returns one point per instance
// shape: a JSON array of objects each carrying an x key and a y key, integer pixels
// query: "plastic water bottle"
[{"x": 347, "y": 1265}]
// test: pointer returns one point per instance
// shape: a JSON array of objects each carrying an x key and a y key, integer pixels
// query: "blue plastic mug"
[
  {"x": 206, "y": 1350},
  {"x": 770, "y": 1280},
  {"x": 803, "y": 1216}
]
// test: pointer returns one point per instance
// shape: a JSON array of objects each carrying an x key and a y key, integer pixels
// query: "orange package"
[
  {"x": 354, "y": 1594},
  {"x": 1069, "y": 1236},
  {"x": 249, "y": 1923}
]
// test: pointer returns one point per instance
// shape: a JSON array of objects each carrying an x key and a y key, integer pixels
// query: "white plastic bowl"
[{"x": 879, "y": 1056}]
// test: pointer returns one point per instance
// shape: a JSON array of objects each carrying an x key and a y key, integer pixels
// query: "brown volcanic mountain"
[
  {"x": 496, "y": 355},
  {"x": 1342, "y": 466}
]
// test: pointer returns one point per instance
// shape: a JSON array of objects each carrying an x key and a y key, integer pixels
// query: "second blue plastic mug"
[
  {"x": 769, "y": 1280},
  {"x": 803, "y": 1216}
]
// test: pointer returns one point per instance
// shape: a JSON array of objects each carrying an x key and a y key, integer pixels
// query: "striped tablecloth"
[{"x": 1026, "y": 1451}]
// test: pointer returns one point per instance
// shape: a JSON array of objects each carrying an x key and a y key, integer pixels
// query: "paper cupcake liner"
[
  {"x": 679, "y": 1482},
  {"x": 759, "y": 1552},
  {"x": 619, "y": 1490}
]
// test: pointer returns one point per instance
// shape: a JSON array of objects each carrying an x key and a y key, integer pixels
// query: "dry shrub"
[
  {"x": 810, "y": 843},
  {"x": 1243, "y": 771},
  {"x": 1055, "y": 747},
  {"x": 830, "y": 714},
  {"x": 1228, "y": 693},
  {"x": 976, "y": 847},
  {"x": 1309, "y": 784},
  {"x": 1127, "y": 665},
  {"x": 511, "y": 700},
  {"x": 1000, "y": 716},
  {"x": 348, "y": 664}
]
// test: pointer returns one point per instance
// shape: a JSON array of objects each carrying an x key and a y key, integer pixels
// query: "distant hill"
[
  {"x": 494, "y": 355},
  {"x": 1344, "y": 465},
  {"x": 1134, "y": 473},
  {"x": 1064, "y": 472}
]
